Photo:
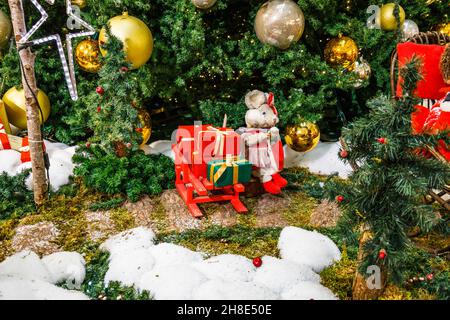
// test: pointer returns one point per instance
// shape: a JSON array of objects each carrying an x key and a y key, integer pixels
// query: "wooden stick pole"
[{"x": 32, "y": 108}]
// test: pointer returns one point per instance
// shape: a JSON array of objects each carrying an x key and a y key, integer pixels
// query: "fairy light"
[{"x": 67, "y": 63}]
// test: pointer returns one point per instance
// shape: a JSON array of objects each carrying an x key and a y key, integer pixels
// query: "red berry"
[
  {"x": 129, "y": 145},
  {"x": 257, "y": 262},
  {"x": 139, "y": 130},
  {"x": 430, "y": 277},
  {"x": 382, "y": 254},
  {"x": 344, "y": 154},
  {"x": 100, "y": 90},
  {"x": 99, "y": 109},
  {"x": 340, "y": 198},
  {"x": 123, "y": 69},
  {"x": 382, "y": 140},
  {"x": 88, "y": 145}
]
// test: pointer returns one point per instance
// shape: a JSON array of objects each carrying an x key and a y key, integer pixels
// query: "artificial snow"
[
  {"x": 307, "y": 290},
  {"x": 323, "y": 159},
  {"x": 24, "y": 276},
  {"x": 228, "y": 267},
  {"x": 308, "y": 248},
  {"x": 233, "y": 290},
  {"x": 129, "y": 240},
  {"x": 167, "y": 254},
  {"x": 163, "y": 147},
  {"x": 61, "y": 165}
]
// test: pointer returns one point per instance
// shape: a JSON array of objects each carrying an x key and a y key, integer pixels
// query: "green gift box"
[{"x": 228, "y": 172}]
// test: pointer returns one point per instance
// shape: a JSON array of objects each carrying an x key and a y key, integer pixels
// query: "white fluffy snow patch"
[
  {"x": 163, "y": 147},
  {"x": 66, "y": 266},
  {"x": 24, "y": 276},
  {"x": 61, "y": 165},
  {"x": 277, "y": 274},
  {"x": 228, "y": 267},
  {"x": 129, "y": 240},
  {"x": 308, "y": 291},
  {"x": 233, "y": 290},
  {"x": 175, "y": 282},
  {"x": 323, "y": 159},
  {"x": 308, "y": 247},
  {"x": 167, "y": 254},
  {"x": 129, "y": 267}
]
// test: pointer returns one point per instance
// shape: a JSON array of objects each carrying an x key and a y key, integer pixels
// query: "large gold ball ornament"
[
  {"x": 146, "y": 122},
  {"x": 302, "y": 137},
  {"x": 80, "y": 3},
  {"x": 341, "y": 52},
  {"x": 5, "y": 29},
  {"x": 14, "y": 100},
  {"x": 87, "y": 54},
  {"x": 135, "y": 35},
  {"x": 388, "y": 21},
  {"x": 444, "y": 28},
  {"x": 203, "y": 4},
  {"x": 362, "y": 72},
  {"x": 279, "y": 23}
]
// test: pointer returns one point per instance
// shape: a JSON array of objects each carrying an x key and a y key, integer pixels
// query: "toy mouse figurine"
[{"x": 263, "y": 147}]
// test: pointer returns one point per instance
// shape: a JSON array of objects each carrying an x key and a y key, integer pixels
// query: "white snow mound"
[
  {"x": 228, "y": 267},
  {"x": 66, "y": 266},
  {"x": 308, "y": 247},
  {"x": 308, "y": 291},
  {"x": 233, "y": 290},
  {"x": 167, "y": 254},
  {"x": 27, "y": 264},
  {"x": 129, "y": 240}
]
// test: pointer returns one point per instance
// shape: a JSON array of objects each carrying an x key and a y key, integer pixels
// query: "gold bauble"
[
  {"x": 4, "y": 118},
  {"x": 388, "y": 21},
  {"x": 80, "y": 3},
  {"x": 444, "y": 28},
  {"x": 362, "y": 72},
  {"x": 302, "y": 137},
  {"x": 87, "y": 54},
  {"x": 341, "y": 52},
  {"x": 14, "y": 100},
  {"x": 5, "y": 29},
  {"x": 135, "y": 35},
  {"x": 279, "y": 23},
  {"x": 146, "y": 122},
  {"x": 203, "y": 4}
]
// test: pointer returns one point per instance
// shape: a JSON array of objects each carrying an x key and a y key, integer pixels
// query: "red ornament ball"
[
  {"x": 129, "y": 145},
  {"x": 382, "y": 254},
  {"x": 138, "y": 130},
  {"x": 382, "y": 140},
  {"x": 430, "y": 277},
  {"x": 124, "y": 69},
  {"x": 343, "y": 154},
  {"x": 257, "y": 262},
  {"x": 99, "y": 109},
  {"x": 340, "y": 198},
  {"x": 100, "y": 90},
  {"x": 88, "y": 145}
]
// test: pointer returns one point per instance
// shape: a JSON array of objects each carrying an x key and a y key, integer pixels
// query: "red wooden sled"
[{"x": 196, "y": 188}]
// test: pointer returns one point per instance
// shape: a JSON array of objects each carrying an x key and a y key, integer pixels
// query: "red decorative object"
[
  {"x": 88, "y": 145},
  {"x": 381, "y": 140},
  {"x": 382, "y": 254},
  {"x": 19, "y": 144},
  {"x": 430, "y": 87},
  {"x": 123, "y": 69},
  {"x": 257, "y": 262},
  {"x": 138, "y": 130},
  {"x": 100, "y": 90},
  {"x": 99, "y": 109},
  {"x": 129, "y": 145},
  {"x": 343, "y": 154},
  {"x": 340, "y": 198},
  {"x": 194, "y": 147},
  {"x": 430, "y": 276}
]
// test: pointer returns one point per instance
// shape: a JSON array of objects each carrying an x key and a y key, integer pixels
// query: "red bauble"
[
  {"x": 430, "y": 277},
  {"x": 100, "y": 90},
  {"x": 129, "y": 145},
  {"x": 382, "y": 254},
  {"x": 138, "y": 130},
  {"x": 257, "y": 262},
  {"x": 343, "y": 154},
  {"x": 123, "y": 69},
  {"x": 381, "y": 140},
  {"x": 99, "y": 109},
  {"x": 340, "y": 198},
  {"x": 88, "y": 145}
]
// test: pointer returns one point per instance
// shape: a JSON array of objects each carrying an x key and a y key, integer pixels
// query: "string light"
[{"x": 67, "y": 63}]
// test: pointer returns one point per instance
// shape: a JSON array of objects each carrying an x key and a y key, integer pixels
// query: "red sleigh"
[{"x": 194, "y": 147}]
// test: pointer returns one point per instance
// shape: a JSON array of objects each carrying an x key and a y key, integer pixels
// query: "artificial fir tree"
[{"x": 386, "y": 193}]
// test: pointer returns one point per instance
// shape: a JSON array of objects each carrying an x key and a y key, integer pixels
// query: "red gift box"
[{"x": 199, "y": 144}]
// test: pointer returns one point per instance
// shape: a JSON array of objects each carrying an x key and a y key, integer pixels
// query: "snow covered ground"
[{"x": 169, "y": 271}]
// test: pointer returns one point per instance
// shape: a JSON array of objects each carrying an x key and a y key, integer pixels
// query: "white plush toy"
[{"x": 262, "y": 140}]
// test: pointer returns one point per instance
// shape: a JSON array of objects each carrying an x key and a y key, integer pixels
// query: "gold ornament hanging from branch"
[
  {"x": 444, "y": 28},
  {"x": 302, "y": 137},
  {"x": 388, "y": 21},
  {"x": 146, "y": 129},
  {"x": 136, "y": 37},
  {"x": 80, "y": 3},
  {"x": 87, "y": 55},
  {"x": 14, "y": 100},
  {"x": 5, "y": 29},
  {"x": 279, "y": 23},
  {"x": 204, "y": 4},
  {"x": 341, "y": 52}
]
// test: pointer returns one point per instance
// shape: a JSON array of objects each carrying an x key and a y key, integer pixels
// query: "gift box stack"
[
  {"x": 8, "y": 141},
  {"x": 213, "y": 154}
]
